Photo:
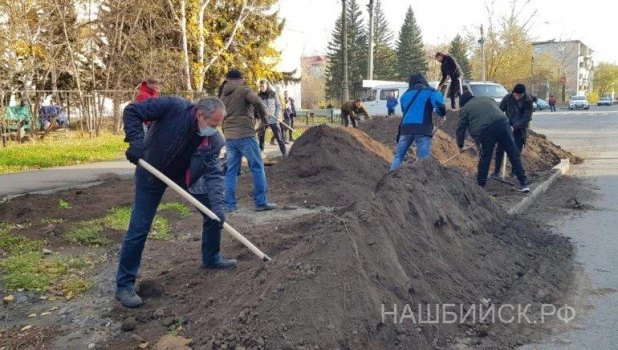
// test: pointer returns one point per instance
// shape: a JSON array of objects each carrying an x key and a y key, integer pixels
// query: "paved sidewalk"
[
  {"x": 62, "y": 177},
  {"x": 15, "y": 184}
]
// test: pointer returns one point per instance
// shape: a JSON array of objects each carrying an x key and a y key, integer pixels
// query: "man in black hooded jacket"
[
  {"x": 450, "y": 68},
  {"x": 518, "y": 107}
]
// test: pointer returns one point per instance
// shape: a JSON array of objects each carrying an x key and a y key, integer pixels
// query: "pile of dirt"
[
  {"x": 326, "y": 166},
  {"x": 421, "y": 236},
  {"x": 539, "y": 155},
  {"x": 444, "y": 147}
]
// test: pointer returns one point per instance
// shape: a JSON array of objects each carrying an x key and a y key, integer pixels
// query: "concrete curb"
[
  {"x": 52, "y": 190},
  {"x": 558, "y": 170}
]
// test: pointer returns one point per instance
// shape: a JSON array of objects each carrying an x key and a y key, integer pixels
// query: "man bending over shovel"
[
  {"x": 184, "y": 145},
  {"x": 488, "y": 126}
]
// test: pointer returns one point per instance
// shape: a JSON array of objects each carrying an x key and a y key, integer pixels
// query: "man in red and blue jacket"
[{"x": 184, "y": 144}]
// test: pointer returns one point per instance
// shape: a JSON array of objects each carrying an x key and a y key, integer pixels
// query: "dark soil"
[
  {"x": 424, "y": 234},
  {"x": 539, "y": 154}
]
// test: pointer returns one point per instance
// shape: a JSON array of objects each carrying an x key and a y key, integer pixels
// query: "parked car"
[
  {"x": 604, "y": 101},
  {"x": 479, "y": 88},
  {"x": 578, "y": 101},
  {"x": 375, "y": 98},
  {"x": 541, "y": 104}
]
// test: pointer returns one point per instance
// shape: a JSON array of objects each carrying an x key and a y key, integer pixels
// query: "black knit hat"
[
  {"x": 234, "y": 74},
  {"x": 519, "y": 89},
  {"x": 464, "y": 98}
]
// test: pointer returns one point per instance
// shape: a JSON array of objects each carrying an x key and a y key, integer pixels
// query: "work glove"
[
  {"x": 135, "y": 152},
  {"x": 221, "y": 216}
]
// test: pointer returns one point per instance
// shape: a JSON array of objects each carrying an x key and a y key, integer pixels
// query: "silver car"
[{"x": 578, "y": 101}]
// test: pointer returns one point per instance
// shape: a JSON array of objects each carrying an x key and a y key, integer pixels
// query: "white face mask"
[{"x": 207, "y": 131}]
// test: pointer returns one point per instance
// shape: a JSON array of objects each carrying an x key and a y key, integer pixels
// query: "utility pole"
[
  {"x": 345, "y": 96},
  {"x": 371, "y": 28},
  {"x": 532, "y": 75},
  {"x": 482, "y": 42}
]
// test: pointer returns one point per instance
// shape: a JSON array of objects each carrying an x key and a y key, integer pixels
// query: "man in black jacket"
[
  {"x": 518, "y": 107},
  {"x": 450, "y": 68},
  {"x": 183, "y": 144},
  {"x": 488, "y": 126}
]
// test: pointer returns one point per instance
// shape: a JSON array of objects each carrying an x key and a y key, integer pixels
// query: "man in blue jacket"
[
  {"x": 417, "y": 105},
  {"x": 391, "y": 103},
  {"x": 183, "y": 144}
]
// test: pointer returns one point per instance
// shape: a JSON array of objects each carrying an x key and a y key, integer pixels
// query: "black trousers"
[
  {"x": 454, "y": 90},
  {"x": 276, "y": 134},
  {"x": 345, "y": 118},
  {"x": 290, "y": 122},
  {"x": 520, "y": 136},
  {"x": 499, "y": 133}
]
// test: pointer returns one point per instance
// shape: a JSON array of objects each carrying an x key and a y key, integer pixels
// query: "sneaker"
[
  {"x": 267, "y": 206},
  {"x": 496, "y": 176},
  {"x": 223, "y": 264},
  {"x": 128, "y": 298},
  {"x": 524, "y": 189}
]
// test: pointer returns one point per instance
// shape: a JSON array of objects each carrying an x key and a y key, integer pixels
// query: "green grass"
[
  {"x": 62, "y": 204},
  {"x": 88, "y": 232},
  {"x": 117, "y": 219},
  {"x": 64, "y": 148},
  {"x": 179, "y": 207},
  {"x": 16, "y": 245},
  {"x": 26, "y": 267}
]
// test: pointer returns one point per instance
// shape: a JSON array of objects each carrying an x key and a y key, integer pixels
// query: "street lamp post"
[{"x": 482, "y": 42}]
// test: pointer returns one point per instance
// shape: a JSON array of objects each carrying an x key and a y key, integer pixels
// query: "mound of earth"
[
  {"x": 422, "y": 236},
  {"x": 539, "y": 155},
  {"x": 327, "y": 167}
]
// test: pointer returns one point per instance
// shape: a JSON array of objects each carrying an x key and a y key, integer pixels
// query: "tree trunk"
[{"x": 185, "y": 45}]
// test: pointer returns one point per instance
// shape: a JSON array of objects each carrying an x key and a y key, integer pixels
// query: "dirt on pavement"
[{"x": 361, "y": 241}]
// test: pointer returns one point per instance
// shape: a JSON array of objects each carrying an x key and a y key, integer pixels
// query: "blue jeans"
[
  {"x": 236, "y": 149},
  {"x": 423, "y": 148},
  {"x": 148, "y": 193}
]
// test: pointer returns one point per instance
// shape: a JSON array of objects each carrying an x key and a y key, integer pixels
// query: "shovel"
[
  {"x": 289, "y": 127},
  {"x": 204, "y": 210},
  {"x": 463, "y": 150}
]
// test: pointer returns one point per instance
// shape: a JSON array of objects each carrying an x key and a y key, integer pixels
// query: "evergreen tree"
[
  {"x": 334, "y": 70},
  {"x": 357, "y": 53},
  {"x": 458, "y": 50},
  {"x": 410, "y": 52},
  {"x": 384, "y": 57}
]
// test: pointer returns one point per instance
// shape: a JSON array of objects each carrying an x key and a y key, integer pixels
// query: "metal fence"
[{"x": 92, "y": 111}]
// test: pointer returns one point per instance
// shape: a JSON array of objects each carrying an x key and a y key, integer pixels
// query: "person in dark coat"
[
  {"x": 273, "y": 106},
  {"x": 289, "y": 114},
  {"x": 450, "y": 68},
  {"x": 488, "y": 126},
  {"x": 518, "y": 107},
  {"x": 184, "y": 144}
]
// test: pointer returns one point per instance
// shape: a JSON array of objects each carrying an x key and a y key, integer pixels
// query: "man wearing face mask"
[{"x": 183, "y": 144}]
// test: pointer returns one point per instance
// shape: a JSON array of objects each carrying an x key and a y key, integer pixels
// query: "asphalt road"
[{"x": 592, "y": 134}]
